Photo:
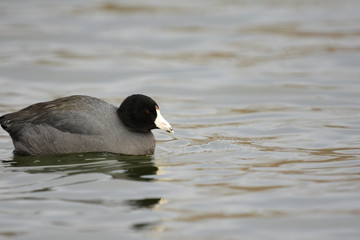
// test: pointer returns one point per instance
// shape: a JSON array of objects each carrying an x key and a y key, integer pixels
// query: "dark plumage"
[{"x": 85, "y": 124}]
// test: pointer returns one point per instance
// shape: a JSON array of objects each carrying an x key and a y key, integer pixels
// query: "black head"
[{"x": 138, "y": 112}]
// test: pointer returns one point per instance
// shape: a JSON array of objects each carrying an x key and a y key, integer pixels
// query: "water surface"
[{"x": 263, "y": 96}]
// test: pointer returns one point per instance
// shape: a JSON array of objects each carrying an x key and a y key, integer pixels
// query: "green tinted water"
[{"x": 263, "y": 97}]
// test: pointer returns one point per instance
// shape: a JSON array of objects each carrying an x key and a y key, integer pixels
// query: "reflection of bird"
[
  {"x": 118, "y": 166},
  {"x": 85, "y": 124}
]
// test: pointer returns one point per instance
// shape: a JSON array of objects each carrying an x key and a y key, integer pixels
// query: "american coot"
[{"x": 85, "y": 124}]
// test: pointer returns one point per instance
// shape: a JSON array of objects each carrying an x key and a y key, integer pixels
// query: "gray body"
[{"x": 74, "y": 124}]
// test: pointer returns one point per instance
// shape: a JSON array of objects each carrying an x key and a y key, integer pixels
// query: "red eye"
[{"x": 147, "y": 112}]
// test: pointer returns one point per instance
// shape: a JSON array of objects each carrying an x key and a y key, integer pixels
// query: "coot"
[{"x": 85, "y": 124}]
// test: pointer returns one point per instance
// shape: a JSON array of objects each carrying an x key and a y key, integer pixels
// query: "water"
[{"x": 263, "y": 97}]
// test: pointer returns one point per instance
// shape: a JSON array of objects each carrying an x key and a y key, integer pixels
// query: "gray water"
[{"x": 263, "y": 97}]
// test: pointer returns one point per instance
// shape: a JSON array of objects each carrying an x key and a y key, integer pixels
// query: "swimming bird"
[{"x": 81, "y": 123}]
